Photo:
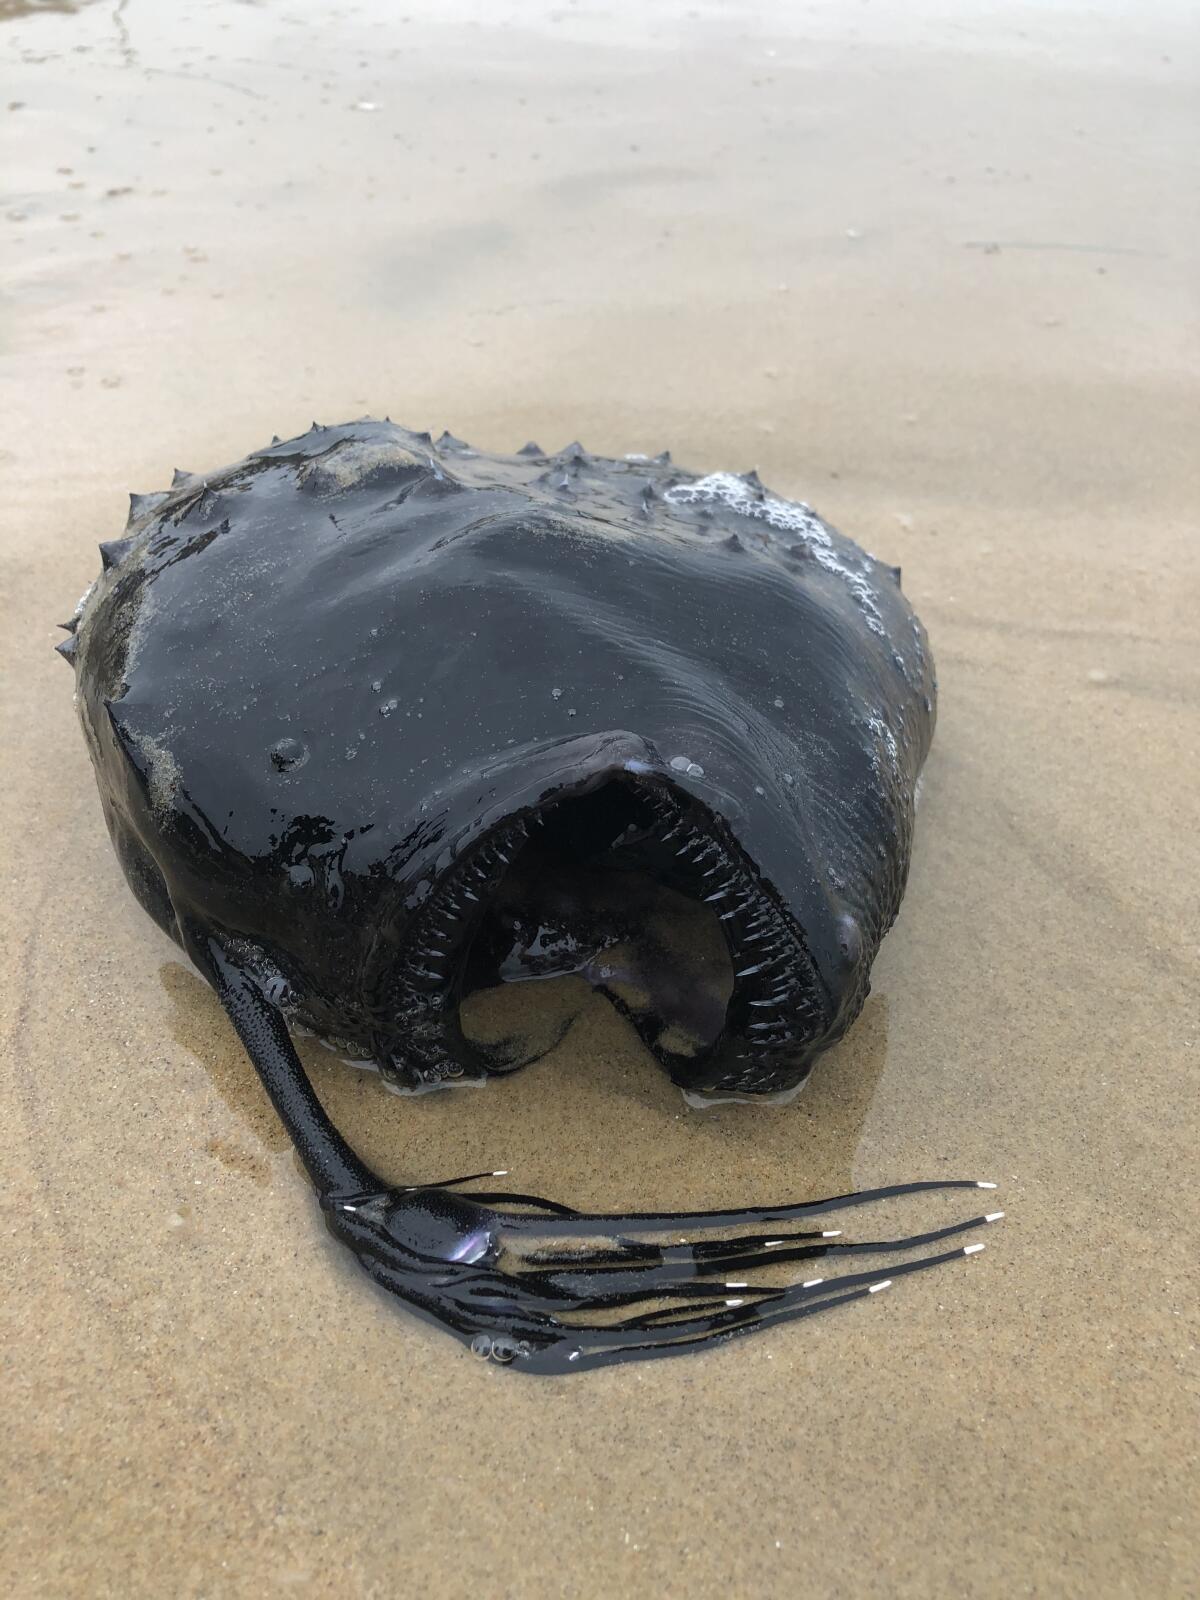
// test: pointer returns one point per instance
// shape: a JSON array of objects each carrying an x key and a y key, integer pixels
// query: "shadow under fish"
[{"x": 386, "y": 730}]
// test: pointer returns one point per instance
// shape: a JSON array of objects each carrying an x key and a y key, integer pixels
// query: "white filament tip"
[
  {"x": 770, "y": 1244},
  {"x": 832, "y": 1233},
  {"x": 985, "y": 1185},
  {"x": 737, "y": 1285},
  {"x": 735, "y": 1302},
  {"x": 993, "y": 1216},
  {"x": 503, "y": 1173},
  {"x": 812, "y": 1283},
  {"x": 875, "y": 1287},
  {"x": 970, "y": 1249}
]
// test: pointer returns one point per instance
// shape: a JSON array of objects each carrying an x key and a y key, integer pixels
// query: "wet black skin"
[{"x": 379, "y": 723}]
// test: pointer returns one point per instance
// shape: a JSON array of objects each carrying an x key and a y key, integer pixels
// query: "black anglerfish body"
[{"x": 386, "y": 729}]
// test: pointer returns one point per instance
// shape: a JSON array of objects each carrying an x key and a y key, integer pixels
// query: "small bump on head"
[{"x": 113, "y": 552}]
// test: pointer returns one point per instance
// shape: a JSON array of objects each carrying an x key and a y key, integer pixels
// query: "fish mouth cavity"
[{"x": 626, "y": 885}]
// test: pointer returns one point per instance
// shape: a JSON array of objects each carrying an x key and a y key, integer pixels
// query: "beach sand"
[{"x": 931, "y": 268}]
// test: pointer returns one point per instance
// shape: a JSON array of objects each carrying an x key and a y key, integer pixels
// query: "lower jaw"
[
  {"x": 699, "y": 1101},
  {"x": 776, "y": 1018}
]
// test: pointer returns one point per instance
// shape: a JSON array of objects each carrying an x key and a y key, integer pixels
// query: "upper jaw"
[{"x": 779, "y": 1013}]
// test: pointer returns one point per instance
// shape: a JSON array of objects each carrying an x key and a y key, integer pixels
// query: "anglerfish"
[{"x": 387, "y": 730}]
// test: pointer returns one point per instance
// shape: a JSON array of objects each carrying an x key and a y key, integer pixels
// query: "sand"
[{"x": 932, "y": 268}]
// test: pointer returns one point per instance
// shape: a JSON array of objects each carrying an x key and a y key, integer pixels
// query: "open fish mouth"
[{"x": 625, "y": 885}]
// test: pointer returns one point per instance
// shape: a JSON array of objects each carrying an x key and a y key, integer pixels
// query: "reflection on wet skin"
[{"x": 801, "y": 1150}]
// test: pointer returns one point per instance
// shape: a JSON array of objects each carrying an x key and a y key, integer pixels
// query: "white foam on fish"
[{"x": 789, "y": 516}]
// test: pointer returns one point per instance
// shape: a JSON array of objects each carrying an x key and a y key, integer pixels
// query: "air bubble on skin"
[
  {"x": 685, "y": 764},
  {"x": 887, "y": 738},
  {"x": 778, "y": 702},
  {"x": 788, "y": 779},
  {"x": 571, "y": 711},
  {"x": 278, "y": 990},
  {"x": 789, "y": 516},
  {"x": 287, "y": 754},
  {"x": 386, "y": 707},
  {"x": 556, "y": 694},
  {"x": 758, "y": 789},
  {"x": 377, "y": 685}
]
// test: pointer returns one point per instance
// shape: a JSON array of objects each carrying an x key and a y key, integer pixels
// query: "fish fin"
[
  {"x": 260, "y": 1025},
  {"x": 554, "y": 1290}
]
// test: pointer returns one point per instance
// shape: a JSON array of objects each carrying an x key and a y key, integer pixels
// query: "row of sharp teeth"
[
  {"x": 763, "y": 943},
  {"x": 435, "y": 943}
]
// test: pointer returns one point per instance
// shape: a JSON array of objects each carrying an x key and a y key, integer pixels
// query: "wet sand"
[{"x": 932, "y": 269}]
